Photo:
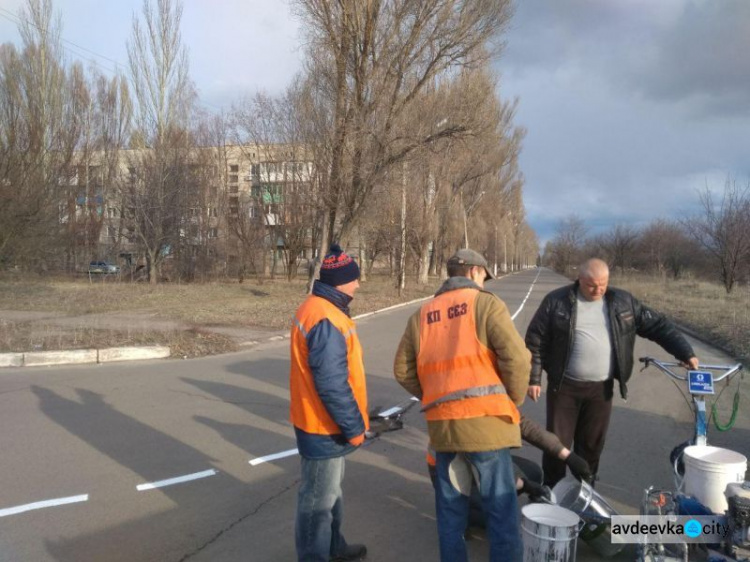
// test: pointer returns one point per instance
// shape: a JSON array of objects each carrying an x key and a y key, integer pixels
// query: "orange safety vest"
[
  {"x": 457, "y": 372},
  {"x": 307, "y": 411}
]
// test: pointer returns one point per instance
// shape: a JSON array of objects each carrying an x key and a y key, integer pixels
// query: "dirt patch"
[
  {"x": 705, "y": 308},
  {"x": 193, "y": 320}
]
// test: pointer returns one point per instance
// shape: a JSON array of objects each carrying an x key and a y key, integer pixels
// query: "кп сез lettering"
[{"x": 453, "y": 312}]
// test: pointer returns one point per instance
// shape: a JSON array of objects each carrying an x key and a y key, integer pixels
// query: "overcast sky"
[{"x": 630, "y": 106}]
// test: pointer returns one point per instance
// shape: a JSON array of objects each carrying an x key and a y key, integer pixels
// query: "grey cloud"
[
  {"x": 694, "y": 51},
  {"x": 703, "y": 57}
]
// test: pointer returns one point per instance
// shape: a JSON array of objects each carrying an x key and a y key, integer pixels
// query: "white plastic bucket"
[
  {"x": 549, "y": 533},
  {"x": 708, "y": 470}
]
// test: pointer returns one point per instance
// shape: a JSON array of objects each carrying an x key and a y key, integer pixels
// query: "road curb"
[
  {"x": 83, "y": 356},
  {"x": 112, "y": 354}
]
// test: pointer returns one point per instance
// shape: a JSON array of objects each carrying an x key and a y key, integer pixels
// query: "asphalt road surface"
[{"x": 151, "y": 461}]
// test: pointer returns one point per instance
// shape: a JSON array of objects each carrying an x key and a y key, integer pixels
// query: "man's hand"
[
  {"x": 691, "y": 363},
  {"x": 358, "y": 440},
  {"x": 534, "y": 392},
  {"x": 536, "y": 492},
  {"x": 579, "y": 467}
]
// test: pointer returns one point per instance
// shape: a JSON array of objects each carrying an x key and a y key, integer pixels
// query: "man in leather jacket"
[{"x": 583, "y": 336}]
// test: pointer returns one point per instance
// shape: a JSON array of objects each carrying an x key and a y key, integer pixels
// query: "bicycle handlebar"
[{"x": 664, "y": 366}]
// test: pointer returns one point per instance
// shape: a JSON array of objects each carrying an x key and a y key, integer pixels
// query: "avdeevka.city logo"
[
  {"x": 665, "y": 529},
  {"x": 693, "y": 528}
]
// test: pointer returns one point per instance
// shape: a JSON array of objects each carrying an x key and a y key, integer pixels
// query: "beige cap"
[{"x": 465, "y": 256}]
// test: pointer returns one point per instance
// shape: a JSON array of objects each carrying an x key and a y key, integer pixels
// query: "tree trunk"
[
  {"x": 424, "y": 264},
  {"x": 363, "y": 269},
  {"x": 313, "y": 271}
]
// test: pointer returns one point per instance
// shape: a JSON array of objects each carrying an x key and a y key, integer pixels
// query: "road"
[{"x": 97, "y": 444}]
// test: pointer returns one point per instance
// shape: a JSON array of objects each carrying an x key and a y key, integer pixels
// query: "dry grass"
[
  {"x": 28, "y": 336},
  {"x": 195, "y": 307},
  {"x": 702, "y": 306}
]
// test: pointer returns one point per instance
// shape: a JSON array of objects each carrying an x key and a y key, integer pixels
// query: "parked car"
[{"x": 103, "y": 267}]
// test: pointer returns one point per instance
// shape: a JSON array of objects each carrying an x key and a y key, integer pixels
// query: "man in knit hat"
[{"x": 328, "y": 407}]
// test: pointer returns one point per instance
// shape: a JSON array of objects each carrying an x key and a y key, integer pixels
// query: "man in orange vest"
[
  {"x": 462, "y": 356},
  {"x": 328, "y": 407}
]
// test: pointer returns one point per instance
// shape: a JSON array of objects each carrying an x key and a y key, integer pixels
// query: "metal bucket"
[
  {"x": 596, "y": 513},
  {"x": 549, "y": 533}
]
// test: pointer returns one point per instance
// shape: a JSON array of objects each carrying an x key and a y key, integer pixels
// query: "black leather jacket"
[{"x": 550, "y": 334}]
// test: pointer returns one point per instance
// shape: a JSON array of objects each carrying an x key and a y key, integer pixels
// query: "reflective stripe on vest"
[
  {"x": 457, "y": 372},
  {"x": 307, "y": 411}
]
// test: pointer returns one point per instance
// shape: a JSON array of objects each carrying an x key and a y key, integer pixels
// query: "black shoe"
[{"x": 351, "y": 552}]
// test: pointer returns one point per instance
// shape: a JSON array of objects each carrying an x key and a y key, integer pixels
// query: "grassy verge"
[
  {"x": 704, "y": 307},
  {"x": 196, "y": 308}
]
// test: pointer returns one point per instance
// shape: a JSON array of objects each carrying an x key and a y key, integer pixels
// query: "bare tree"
[
  {"x": 723, "y": 228},
  {"x": 39, "y": 130},
  {"x": 619, "y": 246},
  {"x": 666, "y": 247},
  {"x": 565, "y": 247},
  {"x": 284, "y": 186},
  {"x": 373, "y": 59},
  {"x": 164, "y": 95}
]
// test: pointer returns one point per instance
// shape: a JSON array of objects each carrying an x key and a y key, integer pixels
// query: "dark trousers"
[{"x": 578, "y": 413}]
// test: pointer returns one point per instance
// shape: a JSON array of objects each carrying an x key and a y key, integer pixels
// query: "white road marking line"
[
  {"x": 43, "y": 504},
  {"x": 395, "y": 409},
  {"x": 520, "y": 308},
  {"x": 177, "y": 480},
  {"x": 269, "y": 458}
]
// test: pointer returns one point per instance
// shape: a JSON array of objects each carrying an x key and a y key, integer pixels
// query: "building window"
[
  {"x": 111, "y": 232},
  {"x": 253, "y": 212},
  {"x": 234, "y": 168},
  {"x": 234, "y": 178},
  {"x": 213, "y": 232},
  {"x": 111, "y": 212}
]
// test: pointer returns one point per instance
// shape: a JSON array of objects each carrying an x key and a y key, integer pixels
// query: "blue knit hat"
[{"x": 338, "y": 268}]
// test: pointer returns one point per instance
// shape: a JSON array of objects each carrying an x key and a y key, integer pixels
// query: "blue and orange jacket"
[{"x": 327, "y": 379}]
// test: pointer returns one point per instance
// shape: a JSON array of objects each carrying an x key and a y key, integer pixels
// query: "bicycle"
[{"x": 700, "y": 383}]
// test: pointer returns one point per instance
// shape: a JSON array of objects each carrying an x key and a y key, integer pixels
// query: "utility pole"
[
  {"x": 505, "y": 253},
  {"x": 494, "y": 246},
  {"x": 402, "y": 256},
  {"x": 466, "y": 215}
]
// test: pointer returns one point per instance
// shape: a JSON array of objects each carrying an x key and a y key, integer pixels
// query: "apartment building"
[{"x": 217, "y": 205}]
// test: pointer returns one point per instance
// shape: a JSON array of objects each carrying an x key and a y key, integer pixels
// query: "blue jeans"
[
  {"x": 320, "y": 510},
  {"x": 497, "y": 488}
]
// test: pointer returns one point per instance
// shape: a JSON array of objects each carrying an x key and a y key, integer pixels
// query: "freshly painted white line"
[
  {"x": 395, "y": 409},
  {"x": 177, "y": 480},
  {"x": 269, "y": 458},
  {"x": 390, "y": 412},
  {"x": 520, "y": 308},
  {"x": 43, "y": 504}
]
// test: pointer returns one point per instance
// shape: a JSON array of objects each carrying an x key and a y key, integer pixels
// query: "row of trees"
[
  {"x": 713, "y": 243},
  {"x": 397, "y": 140}
]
